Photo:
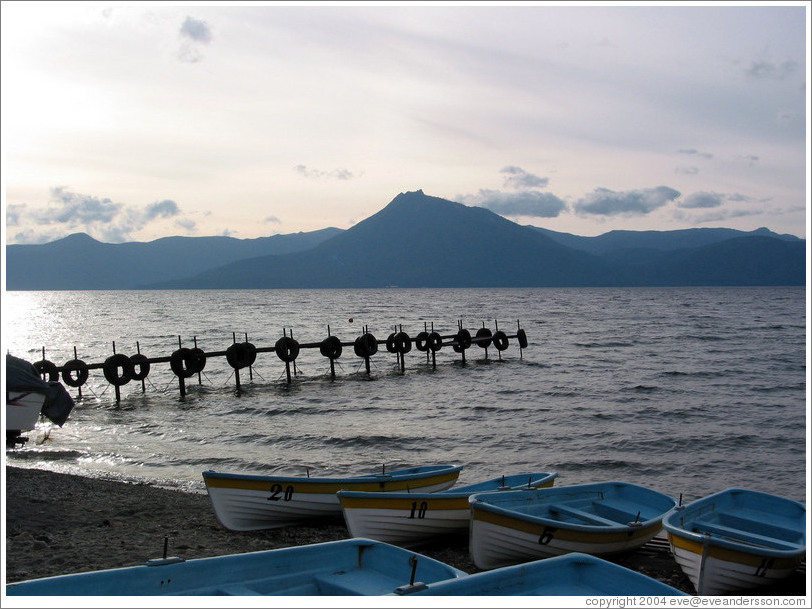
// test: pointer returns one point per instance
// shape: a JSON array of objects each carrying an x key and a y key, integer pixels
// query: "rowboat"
[
  {"x": 407, "y": 518},
  {"x": 569, "y": 575},
  {"x": 601, "y": 518},
  {"x": 336, "y": 568},
  {"x": 247, "y": 502},
  {"x": 737, "y": 540}
]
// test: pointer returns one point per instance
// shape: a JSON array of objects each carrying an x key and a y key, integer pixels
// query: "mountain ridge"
[{"x": 416, "y": 241}]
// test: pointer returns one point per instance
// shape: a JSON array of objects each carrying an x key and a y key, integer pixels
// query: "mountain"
[
  {"x": 417, "y": 241},
  {"x": 619, "y": 240},
  {"x": 79, "y": 262}
]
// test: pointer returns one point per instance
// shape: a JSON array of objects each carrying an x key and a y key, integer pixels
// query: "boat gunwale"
[
  {"x": 415, "y": 473},
  {"x": 452, "y": 493},
  {"x": 481, "y": 503}
]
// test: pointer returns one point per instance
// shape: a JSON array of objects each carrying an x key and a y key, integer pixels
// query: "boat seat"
[
  {"x": 748, "y": 524},
  {"x": 701, "y": 526},
  {"x": 593, "y": 519}
]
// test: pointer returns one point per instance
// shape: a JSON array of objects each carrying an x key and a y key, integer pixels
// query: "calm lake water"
[{"x": 685, "y": 390}]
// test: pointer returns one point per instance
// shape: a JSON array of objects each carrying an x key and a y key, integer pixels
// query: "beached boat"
[
  {"x": 569, "y": 575},
  {"x": 602, "y": 518},
  {"x": 28, "y": 396},
  {"x": 406, "y": 518},
  {"x": 737, "y": 540},
  {"x": 247, "y": 502},
  {"x": 23, "y": 409},
  {"x": 336, "y": 568}
]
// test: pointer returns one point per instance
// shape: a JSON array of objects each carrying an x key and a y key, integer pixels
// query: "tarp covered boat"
[
  {"x": 336, "y": 568},
  {"x": 406, "y": 517},
  {"x": 28, "y": 396},
  {"x": 737, "y": 540},
  {"x": 246, "y": 502},
  {"x": 601, "y": 518}
]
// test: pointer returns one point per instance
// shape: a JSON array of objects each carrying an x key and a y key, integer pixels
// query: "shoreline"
[{"x": 59, "y": 524}]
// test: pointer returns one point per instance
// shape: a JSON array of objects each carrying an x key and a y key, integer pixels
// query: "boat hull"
[
  {"x": 410, "y": 518},
  {"x": 244, "y": 502},
  {"x": 569, "y": 575},
  {"x": 338, "y": 568},
  {"x": 737, "y": 540},
  {"x": 598, "y": 519},
  {"x": 23, "y": 409}
]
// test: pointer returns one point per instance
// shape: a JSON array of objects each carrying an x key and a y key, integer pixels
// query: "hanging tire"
[
  {"x": 463, "y": 339},
  {"x": 118, "y": 369},
  {"x": 403, "y": 344},
  {"x": 435, "y": 341},
  {"x": 47, "y": 368},
  {"x": 483, "y": 337},
  {"x": 500, "y": 340},
  {"x": 331, "y": 347},
  {"x": 421, "y": 341},
  {"x": 522, "y": 336},
  {"x": 287, "y": 349},
  {"x": 198, "y": 359},
  {"x": 241, "y": 355},
  {"x": 183, "y": 363},
  {"x": 139, "y": 361},
  {"x": 390, "y": 343},
  {"x": 82, "y": 373},
  {"x": 365, "y": 345}
]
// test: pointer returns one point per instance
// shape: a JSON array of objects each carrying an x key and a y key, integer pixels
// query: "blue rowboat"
[
  {"x": 336, "y": 568},
  {"x": 601, "y": 518},
  {"x": 404, "y": 518},
  {"x": 247, "y": 502},
  {"x": 569, "y": 575},
  {"x": 737, "y": 540}
]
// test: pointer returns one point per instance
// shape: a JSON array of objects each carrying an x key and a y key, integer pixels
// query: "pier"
[{"x": 120, "y": 369}]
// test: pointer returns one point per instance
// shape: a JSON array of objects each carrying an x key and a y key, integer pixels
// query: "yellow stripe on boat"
[
  {"x": 324, "y": 488},
  {"x": 592, "y": 536},
  {"x": 406, "y": 503},
  {"x": 728, "y": 555}
]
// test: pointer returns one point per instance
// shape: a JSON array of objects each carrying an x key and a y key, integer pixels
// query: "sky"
[{"x": 136, "y": 121}]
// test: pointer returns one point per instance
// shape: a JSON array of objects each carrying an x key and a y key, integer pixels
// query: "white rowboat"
[
  {"x": 247, "y": 502},
  {"x": 737, "y": 540},
  {"x": 405, "y": 518}
]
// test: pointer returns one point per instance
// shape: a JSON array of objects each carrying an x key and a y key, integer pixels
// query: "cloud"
[
  {"x": 13, "y": 213},
  {"x": 193, "y": 33},
  {"x": 694, "y": 151},
  {"x": 338, "y": 174},
  {"x": 605, "y": 202},
  {"x": 767, "y": 70},
  {"x": 196, "y": 30},
  {"x": 702, "y": 200},
  {"x": 187, "y": 224},
  {"x": 164, "y": 209},
  {"x": 79, "y": 209},
  {"x": 524, "y": 201},
  {"x": 705, "y": 200},
  {"x": 272, "y": 220},
  {"x": 519, "y": 178},
  {"x": 689, "y": 171},
  {"x": 528, "y": 203},
  {"x": 100, "y": 217}
]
